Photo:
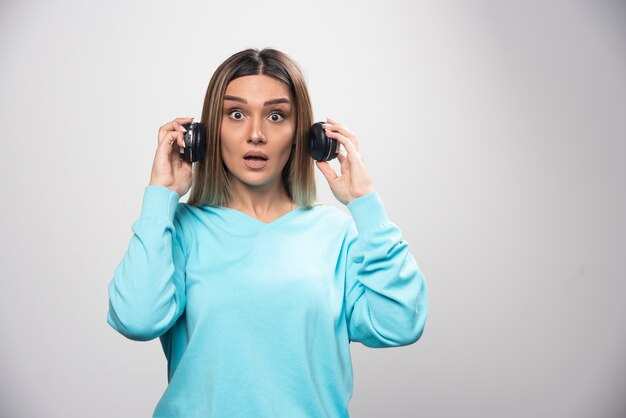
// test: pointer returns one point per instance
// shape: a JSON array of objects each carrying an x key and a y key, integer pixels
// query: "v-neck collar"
[
  {"x": 238, "y": 223},
  {"x": 256, "y": 221}
]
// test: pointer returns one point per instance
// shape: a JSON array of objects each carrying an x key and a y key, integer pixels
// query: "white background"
[{"x": 494, "y": 131}]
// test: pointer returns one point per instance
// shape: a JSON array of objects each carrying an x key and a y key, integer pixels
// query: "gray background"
[{"x": 494, "y": 132}]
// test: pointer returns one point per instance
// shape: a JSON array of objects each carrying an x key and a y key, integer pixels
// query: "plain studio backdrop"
[{"x": 495, "y": 133}]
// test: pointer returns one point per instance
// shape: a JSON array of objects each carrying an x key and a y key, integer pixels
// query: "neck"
[{"x": 261, "y": 202}]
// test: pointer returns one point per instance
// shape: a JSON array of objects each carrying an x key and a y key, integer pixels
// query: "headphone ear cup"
[
  {"x": 198, "y": 143},
  {"x": 321, "y": 147},
  {"x": 195, "y": 142},
  {"x": 186, "y": 153}
]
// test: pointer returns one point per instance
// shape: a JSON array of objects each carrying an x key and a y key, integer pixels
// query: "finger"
[
  {"x": 327, "y": 170},
  {"x": 343, "y": 131},
  {"x": 177, "y": 161},
  {"x": 339, "y": 128},
  {"x": 173, "y": 137},
  {"x": 344, "y": 167},
  {"x": 354, "y": 157},
  {"x": 174, "y": 125},
  {"x": 341, "y": 156},
  {"x": 348, "y": 144},
  {"x": 176, "y": 158},
  {"x": 331, "y": 120}
]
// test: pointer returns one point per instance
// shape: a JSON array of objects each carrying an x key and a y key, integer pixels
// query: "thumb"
[{"x": 327, "y": 170}]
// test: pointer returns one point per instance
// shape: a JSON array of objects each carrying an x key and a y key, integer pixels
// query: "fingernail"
[{"x": 184, "y": 130}]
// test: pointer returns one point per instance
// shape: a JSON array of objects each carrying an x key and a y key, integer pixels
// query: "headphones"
[{"x": 321, "y": 147}]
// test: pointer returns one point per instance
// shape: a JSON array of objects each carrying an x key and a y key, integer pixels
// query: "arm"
[
  {"x": 386, "y": 294},
  {"x": 147, "y": 292}
]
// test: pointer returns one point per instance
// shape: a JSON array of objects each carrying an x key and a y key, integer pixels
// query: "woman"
[{"x": 254, "y": 290}]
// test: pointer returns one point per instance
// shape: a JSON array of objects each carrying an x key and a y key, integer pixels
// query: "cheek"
[
  {"x": 228, "y": 139},
  {"x": 285, "y": 134}
]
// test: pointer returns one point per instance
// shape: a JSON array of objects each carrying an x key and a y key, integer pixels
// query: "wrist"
[
  {"x": 169, "y": 187},
  {"x": 360, "y": 194}
]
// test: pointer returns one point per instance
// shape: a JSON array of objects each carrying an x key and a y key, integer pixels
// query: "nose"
[{"x": 256, "y": 134}]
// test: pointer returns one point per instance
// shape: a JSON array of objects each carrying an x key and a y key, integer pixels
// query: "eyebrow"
[{"x": 268, "y": 103}]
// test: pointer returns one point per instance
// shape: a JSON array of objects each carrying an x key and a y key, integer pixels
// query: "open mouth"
[{"x": 255, "y": 161}]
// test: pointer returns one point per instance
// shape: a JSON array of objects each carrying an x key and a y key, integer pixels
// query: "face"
[{"x": 258, "y": 127}]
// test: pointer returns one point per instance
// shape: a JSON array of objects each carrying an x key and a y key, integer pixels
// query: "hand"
[
  {"x": 354, "y": 181},
  {"x": 168, "y": 169}
]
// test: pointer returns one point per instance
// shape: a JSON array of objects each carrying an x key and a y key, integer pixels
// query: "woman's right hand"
[{"x": 169, "y": 169}]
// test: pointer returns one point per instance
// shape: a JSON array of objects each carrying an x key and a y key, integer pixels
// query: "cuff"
[
  {"x": 159, "y": 202},
  {"x": 368, "y": 211}
]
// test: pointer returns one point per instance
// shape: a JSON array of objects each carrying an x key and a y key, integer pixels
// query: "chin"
[{"x": 255, "y": 179}]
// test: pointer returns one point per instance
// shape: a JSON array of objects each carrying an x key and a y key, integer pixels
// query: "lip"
[
  {"x": 255, "y": 164},
  {"x": 255, "y": 154}
]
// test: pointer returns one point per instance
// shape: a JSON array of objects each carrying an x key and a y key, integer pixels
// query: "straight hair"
[{"x": 210, "y": 185}]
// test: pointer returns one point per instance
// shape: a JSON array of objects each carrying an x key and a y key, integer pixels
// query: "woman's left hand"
[{"x": 354, "y": 181}]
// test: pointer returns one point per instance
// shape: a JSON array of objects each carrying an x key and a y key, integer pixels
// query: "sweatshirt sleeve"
[
  {"x": 147, "y": 292},
  {"x": 386, "y": 294}
]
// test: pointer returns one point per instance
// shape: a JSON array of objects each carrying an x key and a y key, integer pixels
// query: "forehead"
[{"x": 257, "y": 88}]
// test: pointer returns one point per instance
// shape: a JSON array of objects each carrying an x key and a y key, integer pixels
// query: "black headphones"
[{"x": 321, "y": 147}]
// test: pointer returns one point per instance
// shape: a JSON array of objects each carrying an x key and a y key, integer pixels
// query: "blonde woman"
[{"x": 254, "y": 289}]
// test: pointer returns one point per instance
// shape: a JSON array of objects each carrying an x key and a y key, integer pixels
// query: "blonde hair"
[{"x": 210, "y": 185}]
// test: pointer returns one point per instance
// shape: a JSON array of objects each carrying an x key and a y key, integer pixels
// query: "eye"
[
  {"x": 235, "y": 114},
  {"x": 277, "y": 117}
]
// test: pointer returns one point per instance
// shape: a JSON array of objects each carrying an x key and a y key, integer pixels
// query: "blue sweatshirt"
[{"x": 255, "y": 319}]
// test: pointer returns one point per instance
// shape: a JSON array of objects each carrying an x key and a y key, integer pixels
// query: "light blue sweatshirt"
[{"x": 256, "y": 319}]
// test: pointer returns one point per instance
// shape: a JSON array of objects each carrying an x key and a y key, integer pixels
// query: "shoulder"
[
  {"x": 185, "y": 216},
  {"x": 184, "y": 212},
  {"x": 363, "y": 215},
  {"x": 327, "y": 217},
  {"x": 331, "y": 212}
]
